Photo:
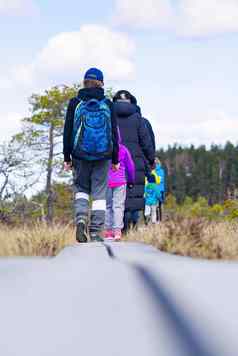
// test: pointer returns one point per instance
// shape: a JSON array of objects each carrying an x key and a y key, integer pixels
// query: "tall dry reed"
[
  {"x": 38, "y": 240},
  {"x": 192, "y": 237},
  {"x": 181, "y": 236}
]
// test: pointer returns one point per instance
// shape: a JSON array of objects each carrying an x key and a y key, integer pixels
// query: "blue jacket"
[
  {"x": 152, "y": 194},
  {"x": 161, "y": 186}
]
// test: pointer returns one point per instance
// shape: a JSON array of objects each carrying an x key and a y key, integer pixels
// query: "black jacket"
[
  {"x": 136, "y": 138},
  {"x": 87, "y": 94}
]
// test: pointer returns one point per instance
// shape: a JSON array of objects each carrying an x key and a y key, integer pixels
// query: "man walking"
[{"x": 90, "y": 143}]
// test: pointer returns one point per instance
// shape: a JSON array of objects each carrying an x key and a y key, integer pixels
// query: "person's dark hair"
[
  {"x": 151, "y": 178},
  {"x": 124, "y": 95}
]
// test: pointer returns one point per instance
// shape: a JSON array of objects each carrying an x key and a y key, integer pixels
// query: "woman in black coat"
[{"x": 136, "y": 137}]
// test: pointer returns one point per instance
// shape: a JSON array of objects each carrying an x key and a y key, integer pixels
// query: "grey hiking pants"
[
  {"x": 90, "y": 179},
  {"x": 116, "y": 198}
]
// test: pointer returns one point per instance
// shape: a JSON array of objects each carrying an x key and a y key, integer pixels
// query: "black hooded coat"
[{"x": 135, "y": 136}]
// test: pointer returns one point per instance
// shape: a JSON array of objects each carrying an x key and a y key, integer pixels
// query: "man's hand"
[
  {"x": 67, "y": 166},
  {"x": 116, "y": 167}
]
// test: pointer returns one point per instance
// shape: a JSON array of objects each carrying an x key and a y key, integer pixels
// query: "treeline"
[{"x": 210, "y": 173}]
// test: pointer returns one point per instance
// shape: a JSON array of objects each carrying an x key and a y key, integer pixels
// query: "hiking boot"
[
  {"x": 95, "y": 237},
  {"x": 81, "y": 233}
]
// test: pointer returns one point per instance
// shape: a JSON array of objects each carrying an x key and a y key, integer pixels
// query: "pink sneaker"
[
  {"x": 108, "y": 235},
  {"x": 117, "y": 235}
]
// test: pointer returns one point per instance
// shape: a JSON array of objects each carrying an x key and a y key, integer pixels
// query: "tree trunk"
[{"x": 49, "y": 192}]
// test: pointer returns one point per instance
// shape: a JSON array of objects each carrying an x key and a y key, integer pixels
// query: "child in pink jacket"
[{"x": 116, "y": 193}]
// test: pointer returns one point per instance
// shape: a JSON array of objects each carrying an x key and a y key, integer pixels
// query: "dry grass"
[
  {"x": 192, "y": 237},
  {"x": 187, "y": 237},
  {"x": 39, "y": 240}
]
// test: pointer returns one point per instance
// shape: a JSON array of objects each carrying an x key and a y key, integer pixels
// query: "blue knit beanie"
[{"x": 94, "y": 74}]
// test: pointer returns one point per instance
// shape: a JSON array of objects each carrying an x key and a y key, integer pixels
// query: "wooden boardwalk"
[{"x": 118, "y": 299}]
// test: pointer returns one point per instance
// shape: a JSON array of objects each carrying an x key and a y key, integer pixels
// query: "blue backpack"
[{"x": 92, "y": 131}]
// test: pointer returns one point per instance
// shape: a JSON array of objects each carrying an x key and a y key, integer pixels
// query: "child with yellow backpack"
[{"x": 159, "y": 175}]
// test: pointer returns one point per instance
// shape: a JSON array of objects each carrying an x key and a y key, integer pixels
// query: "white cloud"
[
  {"x": 16, "y": 7},
  {"x": 207, "y": 127},
  {"x": 204, "y": 17},
  {"x": 147, "y": 13},
  {"x": 73, "y": 52},
  {"x": 67, "y": 55},
  {"x": 186, "y": 17}
]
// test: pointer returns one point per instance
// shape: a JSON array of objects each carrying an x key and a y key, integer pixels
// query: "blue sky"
[{"x": 178, "y": 57}]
